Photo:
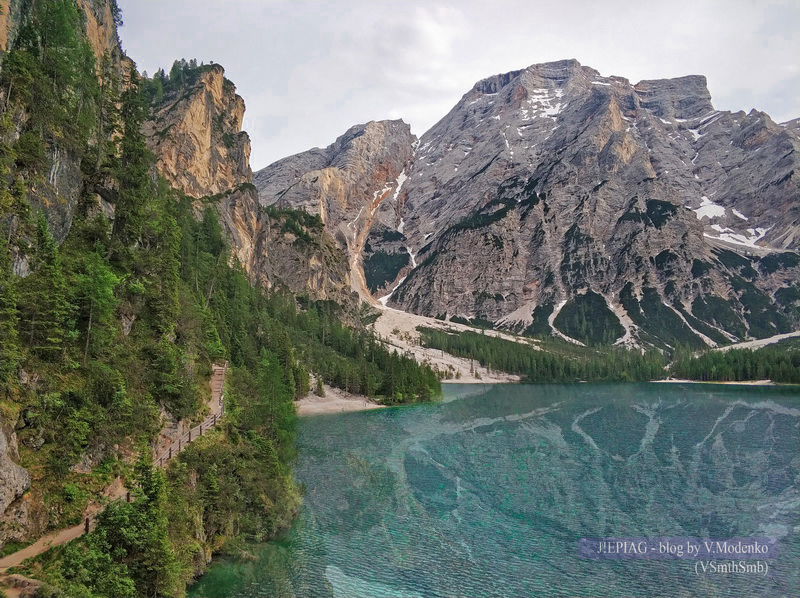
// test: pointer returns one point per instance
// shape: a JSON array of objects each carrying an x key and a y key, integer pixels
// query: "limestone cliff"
[
  {"x": 196, "y": 134},
  {"x": 354, "y": 185},
  {"x": 101, "y": 27},
  {"x": 552, "y": 197}
]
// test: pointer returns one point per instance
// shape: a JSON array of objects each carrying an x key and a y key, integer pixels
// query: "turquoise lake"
[{"x": 488, "y": 492}]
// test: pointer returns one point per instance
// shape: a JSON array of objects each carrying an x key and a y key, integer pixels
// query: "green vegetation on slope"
[
  {"x": 560, "y": 362},
  {"x": 588, "y": 318},
  {"x": 122, "y": 320},
  {"x": 555, "y": 362},
  {"x": 381, "y": 267},
  {"x": 779, "y": 364}
]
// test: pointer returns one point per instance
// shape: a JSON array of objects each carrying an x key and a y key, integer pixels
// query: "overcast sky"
[{"x": 310, "y": 69}]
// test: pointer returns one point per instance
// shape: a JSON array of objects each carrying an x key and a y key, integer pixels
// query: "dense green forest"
[
  {"x": 767, "y": 363},
  {"x": 553, "y": 362},
  {"x": 119, "y": 322}
]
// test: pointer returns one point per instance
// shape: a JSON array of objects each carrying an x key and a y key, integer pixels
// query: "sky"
[{"x": 310, "y": 69}]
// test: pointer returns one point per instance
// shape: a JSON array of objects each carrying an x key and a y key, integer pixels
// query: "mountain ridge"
[{"x": 550, "y": 182}]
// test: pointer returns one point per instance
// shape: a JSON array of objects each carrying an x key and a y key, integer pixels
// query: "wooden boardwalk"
[
  {"x": 63, "y": 536},
  {"x": 217, "y": 406}
]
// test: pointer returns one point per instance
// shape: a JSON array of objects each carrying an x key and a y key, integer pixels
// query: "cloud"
[{"x": 310, "y": 70}]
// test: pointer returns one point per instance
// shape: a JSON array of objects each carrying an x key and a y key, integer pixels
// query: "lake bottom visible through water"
[{"x": 489, "y": 492}]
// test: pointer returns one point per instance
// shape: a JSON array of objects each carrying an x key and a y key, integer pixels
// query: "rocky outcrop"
[
  {"x": 101, "y": 27},
  {"x": 196, "y": 135},
  {"x": 200, "y": 148},
  {"x": 299, "y": 254},
  {"x": 353, "y": 185},
  {"x": 10, "y": 21},
  {"x": 555, "y": 189},
  {"x": 682, "y": 98},
  {"x": 14, "y": 481}
]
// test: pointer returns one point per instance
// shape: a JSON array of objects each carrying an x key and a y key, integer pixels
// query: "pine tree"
[
  {"x": 44, "y": 298},
  {"x": 96, "y": 302},
  {"x": 9, "y": 317},
  {"x": 133, "y": 172}
]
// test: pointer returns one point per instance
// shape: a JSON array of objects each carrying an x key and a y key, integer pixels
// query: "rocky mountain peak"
[
  {"x": 352, "y": 185},
  {"x": 555, "y": 188},
  {"x": 680, "y": 98},
  {"x": 343, "y": 177}
]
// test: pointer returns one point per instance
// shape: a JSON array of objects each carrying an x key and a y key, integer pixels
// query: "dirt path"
[
  {"x": 43, "y": 544},
  {"x": 117, "y": 491}
]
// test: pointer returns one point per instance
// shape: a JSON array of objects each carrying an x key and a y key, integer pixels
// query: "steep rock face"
[
  {"x": 200, "y": 148},
  {"x": 101, "y": 29},
  {"x": 549, "y": 183},
  {"x": 196, "y": 135},
  {"x": 353, "y": 185},
  {"x": 554, "y": 189},
  {"x": 14, "y": 481},
  {"x": 10, "y": 20},
  {"x": 58, "y": 191},
  {"x": 302, "y": 256},
  {"x": 520, "y": 120}
]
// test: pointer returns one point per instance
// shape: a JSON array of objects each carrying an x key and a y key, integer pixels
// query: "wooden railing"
[{"x": 173, "y": 450}]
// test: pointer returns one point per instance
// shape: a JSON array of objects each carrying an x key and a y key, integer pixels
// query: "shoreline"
[
  {"x": 398, "y": 330},
  {"x": 335, "y": 400},
  {"x": 734, "y": 382}
]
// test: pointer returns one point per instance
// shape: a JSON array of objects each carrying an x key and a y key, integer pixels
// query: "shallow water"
[{"x": 488, "y": 494}]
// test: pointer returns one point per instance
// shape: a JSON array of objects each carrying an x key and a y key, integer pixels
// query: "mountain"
[
  {"x": 352, "y": 185},
  {"x": 195, "y": 132},
  {"x": 135, "y": 259},
  {"x": 554, "y": 200}
]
